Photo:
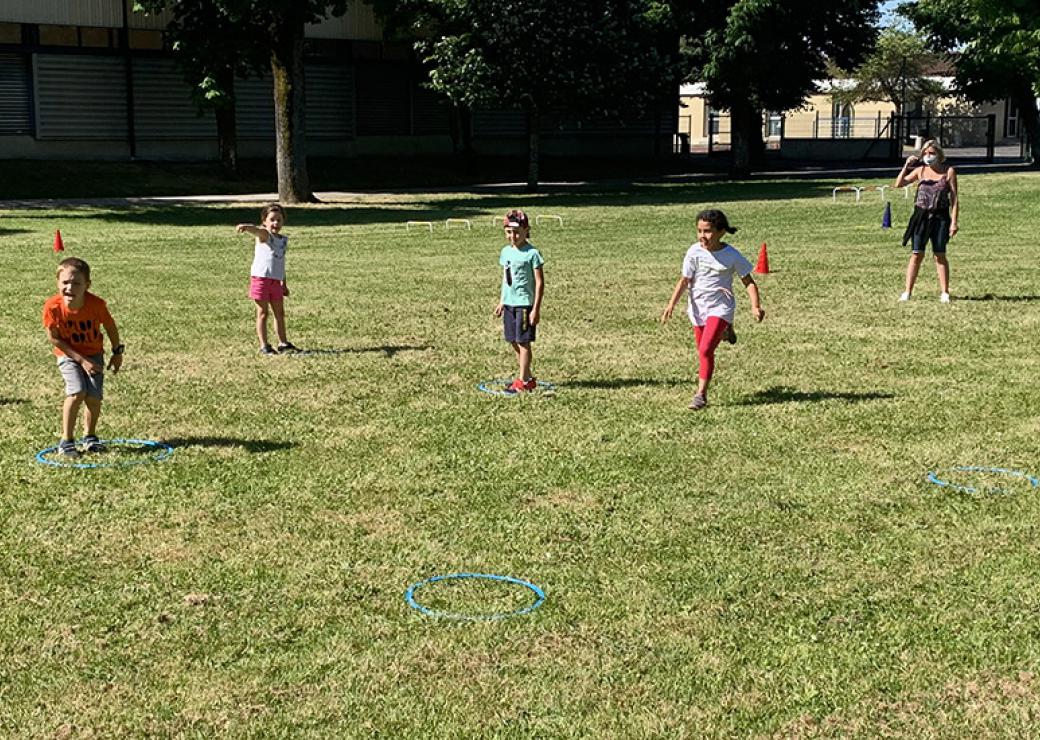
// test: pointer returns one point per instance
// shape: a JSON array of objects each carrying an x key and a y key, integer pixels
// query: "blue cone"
[{"x": 886, "y": 218}]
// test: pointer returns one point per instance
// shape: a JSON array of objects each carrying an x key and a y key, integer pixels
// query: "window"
[
  {"x": 714, "y": 126},
  {"x": 1010, "y": 119},
  {"x": 774, "y": 125},
  {"x": 842, "y": 120}
]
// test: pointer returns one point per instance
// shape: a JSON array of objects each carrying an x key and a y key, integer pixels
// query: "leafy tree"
[
  {"x": 274, "y": 28},
  {"x": 212, "y": 49},
  {"x": 608, "y": 58},
  {"x": 896, "y": 71},
  {"x": 766, "y": 55},
  {"x": 998, "y": 51}
]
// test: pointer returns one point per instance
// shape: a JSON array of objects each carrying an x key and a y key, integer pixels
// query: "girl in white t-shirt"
[
  {"x": 707, "y": 276},
  {"x": 267, "y": 285}
]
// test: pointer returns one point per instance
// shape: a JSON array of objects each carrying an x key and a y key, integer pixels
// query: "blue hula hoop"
[
  {"x": 498, "y": 388},
  {"x": 162, "y": 451},
  {"x": 539, "y": 594},
  {"x": 934, "y": 478}
]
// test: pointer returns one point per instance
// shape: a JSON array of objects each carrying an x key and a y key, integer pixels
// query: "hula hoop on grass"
[
  {"x": 934, "y": 478},
  {"x": 160, "y": 451},
  {"x": 498, "y": 388},
  {"x": 539, "y": 594}
]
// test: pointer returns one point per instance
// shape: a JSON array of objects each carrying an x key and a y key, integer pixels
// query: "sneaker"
[
  {"x": 267, "y": 349},
  {"x": 67, "y": 448},
  {"x": 517, "y": 386},
  {"x": 530, "y": 385},
  {"x": 698, "y": 402},
  {"x": 904, "y": 296},
  {"x": 731, "y": 336},
  {"x": 287, "y": 347},
  {"x": 92, "y": 444},
  {"x": 944, "y": 298}
]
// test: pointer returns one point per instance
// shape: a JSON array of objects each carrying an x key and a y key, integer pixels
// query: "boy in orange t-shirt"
[{"x": 74, "y": 319}]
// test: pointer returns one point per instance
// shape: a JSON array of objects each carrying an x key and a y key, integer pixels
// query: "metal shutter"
[
  {"x": 163, "y": 106},
  {"x": 80, "y": 97},
  {"x": 254, "y": 112},
  {"x": 499, "y": 123},
  {"x": 15, "y": 95},
  {"x": 383, "y": 105},
  {"x": 330, "y": 102},
  {"x": 431, "y": 112}
]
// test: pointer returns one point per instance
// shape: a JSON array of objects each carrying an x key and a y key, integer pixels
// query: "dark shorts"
[
  {"x": 516, "y": 323},
  {"x": 935, "y": 230}
]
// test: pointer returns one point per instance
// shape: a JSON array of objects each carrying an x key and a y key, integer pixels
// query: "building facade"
[{"x": 93, "y": 79}]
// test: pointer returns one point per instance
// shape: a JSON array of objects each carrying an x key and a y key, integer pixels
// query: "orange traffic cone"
[
  {"x": 59, "y": 246},
  {"x": 763, "y": 261}
]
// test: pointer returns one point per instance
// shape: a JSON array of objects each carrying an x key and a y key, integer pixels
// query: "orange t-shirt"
[{"x": 81, "y": 327}]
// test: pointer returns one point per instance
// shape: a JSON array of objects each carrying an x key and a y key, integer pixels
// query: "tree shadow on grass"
[
  {"x": 12, "y": 401},
  {"x": 8, "y": 232},
  {"x": 463, "y": 203},
  {"x": 783, "y": 394},
  {"x": 387, "y": 349},
  {"x": 992, "y": 297},
  {"x": 249, "y": 445},
  {"x": 616, "y": 383}
]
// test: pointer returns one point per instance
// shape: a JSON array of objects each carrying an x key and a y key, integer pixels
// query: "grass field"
[{"x": 776, "y": 565}]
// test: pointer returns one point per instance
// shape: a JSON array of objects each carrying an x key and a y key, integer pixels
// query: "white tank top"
[{"x": 269, "y": 257}]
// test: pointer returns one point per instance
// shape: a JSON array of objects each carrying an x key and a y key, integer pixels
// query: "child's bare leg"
[
  {"x": 912, "y": 268},
  {"x": 524, "y": 356},
  {"x": 942, "y": 267},
  {"x": 69, "y": 411},
  {"x": 261, "y": 321},
  {"x": 90, "y": 416},
  {"x": 278, "y": 309}
]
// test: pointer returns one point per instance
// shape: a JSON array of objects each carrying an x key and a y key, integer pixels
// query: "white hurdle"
[
  {"x": 846, "y": 189},
  {"x": 429, "y": 224},
  {"x": 460, "y": 221},
  {"x": 540, "y": 216}
]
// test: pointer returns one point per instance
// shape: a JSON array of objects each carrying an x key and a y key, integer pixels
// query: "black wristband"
[{"x": 118, "y": 349}]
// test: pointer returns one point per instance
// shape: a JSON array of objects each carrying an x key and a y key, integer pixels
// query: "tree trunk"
[
  {"x": 533, "y": 149},
  {"x": 746, "y": 137},
  {"x": 1031, "y": 122},
  {"x": 227, "y": 139},
  {"x": 227, "y": 135},
  {"x": 289, "y": 129}
]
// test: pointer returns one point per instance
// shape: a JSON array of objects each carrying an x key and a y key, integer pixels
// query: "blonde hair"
[{"x": 934, "y": 144}]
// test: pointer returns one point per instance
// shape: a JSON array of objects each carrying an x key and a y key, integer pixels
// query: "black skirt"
[{"x": 920, "y": 223}]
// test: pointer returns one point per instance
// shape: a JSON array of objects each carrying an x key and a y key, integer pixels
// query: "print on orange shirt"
[{"x": 80, "y": 328}]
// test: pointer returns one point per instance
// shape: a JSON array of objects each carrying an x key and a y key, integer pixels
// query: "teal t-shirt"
[{"x": 518, "y": 266}]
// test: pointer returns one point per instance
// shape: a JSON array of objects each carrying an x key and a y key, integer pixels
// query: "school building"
[
  {"x": 828, "y": 128},
  {"x": 93, "y": 79}
]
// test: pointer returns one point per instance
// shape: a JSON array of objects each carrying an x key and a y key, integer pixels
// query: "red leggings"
[{"x": 708, "y": 338}]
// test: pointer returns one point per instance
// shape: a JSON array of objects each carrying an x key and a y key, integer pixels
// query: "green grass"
[{"x": 776, "y": 565}]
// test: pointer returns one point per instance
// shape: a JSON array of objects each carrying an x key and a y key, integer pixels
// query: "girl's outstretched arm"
[
  {"x": 257, "y": 231},
  {"x": 683, "y": 284}
]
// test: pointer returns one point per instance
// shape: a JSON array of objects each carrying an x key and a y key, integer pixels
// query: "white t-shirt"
[
  {"x": 711, "y": 281},
  {"x": 269, "y": 257}
]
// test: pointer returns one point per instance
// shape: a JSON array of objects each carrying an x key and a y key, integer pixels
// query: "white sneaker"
[
  {"x": 944, "y": 298},
  {"x": 904, "y": 296}
]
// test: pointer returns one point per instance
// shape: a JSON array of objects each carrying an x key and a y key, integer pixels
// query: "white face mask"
[{"x": 929, "y": 159}]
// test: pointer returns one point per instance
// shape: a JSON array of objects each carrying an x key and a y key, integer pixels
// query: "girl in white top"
[
  {"x": 707, "y": 277},
  {"x": 267, "y": 285}
]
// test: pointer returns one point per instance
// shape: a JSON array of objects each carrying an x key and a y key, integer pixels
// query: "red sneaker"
[
  {"x": 530, "y": 385},
  {"x": 517, "y": 386}
]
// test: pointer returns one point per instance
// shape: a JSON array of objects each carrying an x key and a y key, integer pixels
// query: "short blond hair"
[{"x": 934, "y": 144}]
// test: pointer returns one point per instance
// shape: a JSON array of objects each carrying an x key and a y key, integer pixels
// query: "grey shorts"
[{"x": 78, "y": 381}]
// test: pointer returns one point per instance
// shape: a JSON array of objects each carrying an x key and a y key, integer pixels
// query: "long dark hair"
[{"x": 718, "y": 219}]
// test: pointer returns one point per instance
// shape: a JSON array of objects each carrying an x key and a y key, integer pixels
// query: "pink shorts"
[{"x": 265, "y": 289}]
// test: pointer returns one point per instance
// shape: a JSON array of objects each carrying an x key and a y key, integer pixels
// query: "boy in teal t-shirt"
[{"x": 521, "y": 302}]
